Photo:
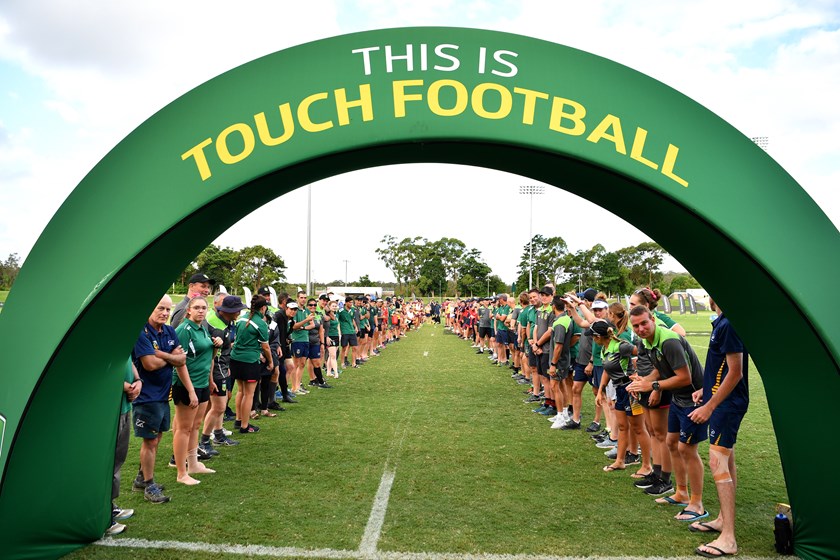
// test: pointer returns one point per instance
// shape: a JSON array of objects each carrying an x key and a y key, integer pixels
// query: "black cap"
[
  {"x": 264, "y": 291},
  {"x": 199, "y": 277},
  {"x": 232, "y": 304},
  {"x": 589, "y": 294},
  {"x": 546, "y": 291},
  {"x": 599, "y": 328}
]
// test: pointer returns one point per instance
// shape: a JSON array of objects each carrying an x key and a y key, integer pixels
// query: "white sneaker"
[
  {"x": 554, "y": 418},
  {"x": 227, "y": 432},
  {"x": 115, "y": 529},
  {"x": 559, "y": 423}
]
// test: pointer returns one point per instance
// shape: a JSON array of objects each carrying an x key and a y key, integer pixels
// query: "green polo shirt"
[
  {"x": 364, "y": 323},
  {"x": 196, "y": 342},
  {"x": 300, "y": 335},
  {"x": 251, "y": 333},
  {"x": 345, "y": 320},
  {"x": 501, "y": 310}
]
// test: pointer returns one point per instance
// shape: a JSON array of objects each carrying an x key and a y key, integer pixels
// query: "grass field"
[{"x": 474, "y": 472}]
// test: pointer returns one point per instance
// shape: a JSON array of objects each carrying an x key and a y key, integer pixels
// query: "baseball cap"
[
  {"x": 201, "y": 277},
  {"x": 599, "y": 328},
  {"x": 589, "y": 294},
  {"x": 264, "y": 291},
  {"x": 291, "y": 305}
]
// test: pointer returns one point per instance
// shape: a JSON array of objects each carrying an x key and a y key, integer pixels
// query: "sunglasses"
[{"x": 311, "y": 305}]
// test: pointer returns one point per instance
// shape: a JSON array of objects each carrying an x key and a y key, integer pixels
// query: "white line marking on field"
[
  {"x": 426, "y": 354},
  {"x": 373, "y": 529},
  {"x": 288, "y": 551}
]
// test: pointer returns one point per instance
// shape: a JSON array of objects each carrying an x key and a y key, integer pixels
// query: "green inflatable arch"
[{"x": 590, "y": 126}]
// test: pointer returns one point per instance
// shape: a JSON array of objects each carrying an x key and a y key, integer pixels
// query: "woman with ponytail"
[{"x": 249, "y": 349}]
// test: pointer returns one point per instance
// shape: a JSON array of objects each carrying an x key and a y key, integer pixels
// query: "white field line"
[
  {"x": 373, "y": 529},
  {"x": 292, "y": 552},
  {"x": 426, "y": 354}
]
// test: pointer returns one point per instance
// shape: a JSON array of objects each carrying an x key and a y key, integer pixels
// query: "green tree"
[
  {"x": 682, "y": 282},
  {"x": 432, "y": 273},
  {"x": 642, "y": 263},
  {"x": 9, "y": 270},
  {"x": 218, "y": 263},
  {"x": 364, "y": 280},
  {"x": 258, "y": 266},
  {"x": 472, "y": 274},
  {"x": 549, "y": 259}
]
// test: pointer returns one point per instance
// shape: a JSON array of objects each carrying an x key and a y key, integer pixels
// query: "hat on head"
[
  {"x": 546, "y": 291},
  {"x": 324, "y": 297},
  {"x": 589, "y": 294},
  {"x": 599, "y": 328},
  {"x": 291, "y": 305},
  {"x": 264, "y": 291},
  {"x": 600, "y": 304},
  {"x": 232, "y": 304},
  {"x": 199, "y": 277}
]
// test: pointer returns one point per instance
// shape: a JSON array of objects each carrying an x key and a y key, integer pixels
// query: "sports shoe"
[
  {"x": 323, "y": 385},
  {"x": 607, "y": 444},
  {"x": 631, "y": 459},
  {"x": 540, "y": 409},
  {"x": 524, "y": 381},
  {"x": 646, "y": 482},
  {"x": 114, "y": 529},
  {"x": 139, "y": 485},
  {"x": 302, "y": 391},
  {"x": 251, "y": 429},
  {"x": 554, "y": 418},
  {"x": 313, "y": 382},
  {"x": 225, "y": 441},
  {"x": 599, "y": 437},
  {"x": 154, "y": 493},
  {"x": 593, "y": 427},
  {"x": 203, "y": 455},
  {"x": 172, "y": 462},
  {"x": 549, "y": 411},
  {"x": 532, "y": 399},
  {"x": 207, "y": 448},
  {"x": 479, "y": 351},
  {"x": 119, "y": 514},
  {"x": 659, "y": 487},
  {"x": 229, "y": 416},
  {"x": 276, "y": 406},
  {"x": 612, "y": 453},
  {"x": 571, "y": 425}
]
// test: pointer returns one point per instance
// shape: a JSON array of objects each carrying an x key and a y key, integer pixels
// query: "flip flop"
[
  {"x": 668, "y": 500},
  {"x": 695, "y": 528},
  {"x": 694, "y": 515},
  {"x": 711, "y": 554},
  {"x": 639, "y": 475},
  {"x": 611, "y": 468}
]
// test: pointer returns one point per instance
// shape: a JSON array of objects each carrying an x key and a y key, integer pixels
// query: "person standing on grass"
[
  {"x": 585, "y": 368},
  {"x": 222, "y": 325},
  {"x": 500, "y": 315},
  {"x": 250, "y": 349},
  {"x": 131, "y": 390},
  {"x": 527, "y": 321},
  {"x": 541, "y": 345},
  {"x": 156, "y": 354},
  {"x": 315, "y": 330},
  {"x": 191, "y": 390},
  {"x": 676, "y": 369},
  {"x": 724, "y": 400},
  {"x": 558, "y": 370},
  {"x": 347, "y": 324},
  {"x": 484, "y": 330},
  {"x": 332, "y": 338}
]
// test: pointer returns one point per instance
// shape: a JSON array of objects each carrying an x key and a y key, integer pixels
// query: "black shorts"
[
  {"x": 181, "y": 396},
  {"x": 335, "y": 340},
  {"x": 362, "y": 334},
  {"x": 485, "y": 332},
  {"x": 542, "y": 364},
  {"x": 349, "y": 340},
  {"x": 532, "y": 358},
  {"x": 221, "y": 385},
  {"x": 243, "y": 371}
]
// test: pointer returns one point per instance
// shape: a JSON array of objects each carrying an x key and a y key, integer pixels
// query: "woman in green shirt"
[
  {"x": 250, "y": 347},
  {"x": 190, "y": 393}
]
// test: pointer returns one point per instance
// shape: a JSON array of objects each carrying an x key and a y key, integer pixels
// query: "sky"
[{"x": 77, "y": 77}]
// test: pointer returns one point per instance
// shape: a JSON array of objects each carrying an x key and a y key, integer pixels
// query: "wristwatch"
[{"x": 655, "y": 386}]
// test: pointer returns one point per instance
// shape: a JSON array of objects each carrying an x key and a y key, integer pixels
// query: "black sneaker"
[
  {"x": 237, "y": 424},
  {"x": 323, "y": 385},
  {"x": 275, "y": 406},
  {"x": 139, "y": 485},
  {"x": 172, "y": 462},
  {"x": 251, "y": 429},
  {"x": 229, "y": 416},
  {"x": 207, "y": 448},
  {"x": 532, "y": 399},
  {"x": 154, "y": 493},
  {"x": 570, "y": 425},
  {"x": 594, "y": 427},
  {"x": 313, "y": 383},
  {"x": 659, "y": 488},
  {"x": 226, "y": 441},
  {"x": 203, "y": 455},
  {"x": 631, "y": 459},
  {"x": 646, "y": 482},
  {"x": 289, "y": 400}
]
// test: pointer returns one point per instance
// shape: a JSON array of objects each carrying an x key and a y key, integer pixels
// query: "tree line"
[{"x": 9, "y": 271}]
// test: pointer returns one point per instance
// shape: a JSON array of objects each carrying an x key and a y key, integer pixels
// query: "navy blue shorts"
[
  {"x": 300, "y": 349},
  {"x": 314, "y": 350},
  {"x": 597, "y": 373},
  {"x": 151, "y": 419},
  {"x": 502, "y": 337},
  {"x": 580, "y": 373},
  {"x": 723, "y": 426},
  {"x": 690, "y": 433}
]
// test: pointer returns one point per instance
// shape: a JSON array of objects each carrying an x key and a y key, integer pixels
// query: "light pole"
[
  {"x": 309, "y": 238},
  {"x": 488, "y": 286},
  {"x": 345, "y": 272},
  {"x": 531, "y": 190}
]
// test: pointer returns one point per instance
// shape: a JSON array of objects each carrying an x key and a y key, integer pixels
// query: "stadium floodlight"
[
  {"x": 531, "y": 190},
  {"x": 762, "y": 142}
]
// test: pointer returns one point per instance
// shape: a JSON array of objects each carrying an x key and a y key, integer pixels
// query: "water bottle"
[{"x": 783, "y": 533}]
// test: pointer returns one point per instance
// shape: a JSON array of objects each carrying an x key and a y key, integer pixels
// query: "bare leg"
[
  {"x": 694, "y": 472},
  {"x": 184, "y": 420},
  {"x": 148, "y": 452}
]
